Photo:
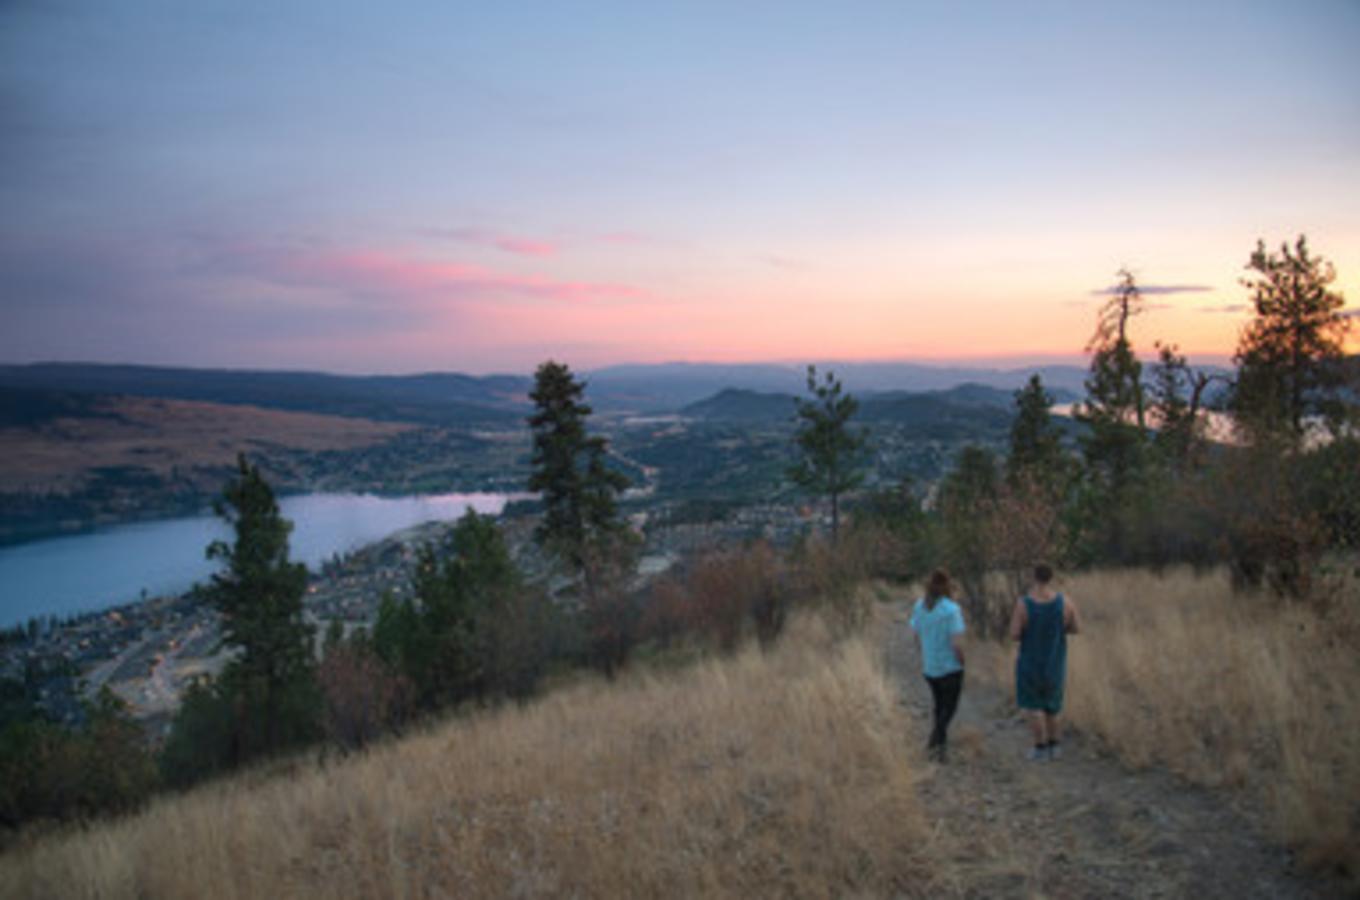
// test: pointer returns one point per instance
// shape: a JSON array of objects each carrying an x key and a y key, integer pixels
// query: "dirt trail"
[{"x": 1082, "y": 826}]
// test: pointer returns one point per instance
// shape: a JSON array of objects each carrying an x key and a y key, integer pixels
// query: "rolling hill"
[
  {"x": 450, "y": 398},
  {"x": 967, "y": 407},
  {"x": 672, "y": 386},
  {"x": 434, "y": 398}
]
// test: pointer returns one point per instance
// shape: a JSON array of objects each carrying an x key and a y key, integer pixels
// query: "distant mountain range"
[
  {"x": 452, "y": 398},
  {"x": 968, "y": 407},
  {"x": 672, "y": 386}
]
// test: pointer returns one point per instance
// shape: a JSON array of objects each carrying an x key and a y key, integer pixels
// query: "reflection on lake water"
[{"x": 115, "y": 565}]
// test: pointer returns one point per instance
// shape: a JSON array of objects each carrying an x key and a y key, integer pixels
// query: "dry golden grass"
[
  {"x": 771, "y": 774},
  {"x": 160, "y": 435},
  {"x": 1227, "y": 689}
]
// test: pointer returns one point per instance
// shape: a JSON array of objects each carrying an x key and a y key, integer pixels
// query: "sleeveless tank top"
[{"x": 1043, "y": 645}]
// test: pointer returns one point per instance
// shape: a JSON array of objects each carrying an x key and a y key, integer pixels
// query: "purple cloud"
[
  {"x": 1157, "y": 289},
  {"x": 518, "y": 245},
  {"x": 404, "y": 279}
]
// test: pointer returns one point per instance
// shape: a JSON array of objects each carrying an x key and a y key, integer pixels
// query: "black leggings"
[{"x": 945, "y": 690}]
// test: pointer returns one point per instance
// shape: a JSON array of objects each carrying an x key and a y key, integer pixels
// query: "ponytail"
[{"x": 936, "y": 587}]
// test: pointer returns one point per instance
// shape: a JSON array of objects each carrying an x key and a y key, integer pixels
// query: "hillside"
[
  {"x": 957, "y": 413},
  {"x": 449, "y": 398},
  {"x": 436, "y": 398},
  {"x": 672, "y": 386},
  {"x": 73, "y": 460},
  {"x": 61, "y": 440},
  {"x": 738, "y": 405},
  {"x": 764, "y": 774},
  {"x": 962, "y": 412},
  {"x": 799, "y": 772},
  {"x": 30, "y": 408}
]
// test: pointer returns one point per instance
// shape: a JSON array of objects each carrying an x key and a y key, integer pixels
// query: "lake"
[{"x": 114, "y": 565}]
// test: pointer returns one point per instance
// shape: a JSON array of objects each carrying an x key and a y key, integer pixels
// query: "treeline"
[{"x": 1276, "y": 499}]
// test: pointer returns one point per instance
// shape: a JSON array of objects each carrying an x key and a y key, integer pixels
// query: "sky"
[{"x": 476, "y": 187}]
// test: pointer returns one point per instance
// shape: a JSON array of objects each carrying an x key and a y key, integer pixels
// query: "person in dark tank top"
[{"x": 1040, "y": 623}]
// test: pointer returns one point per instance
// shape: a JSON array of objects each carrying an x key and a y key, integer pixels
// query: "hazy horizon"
[{"x": 1000, "y": 364}]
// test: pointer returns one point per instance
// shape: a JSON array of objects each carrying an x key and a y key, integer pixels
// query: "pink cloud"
[
  {"x": 519, "y": 245},
  {"x": 526, "y": 246}
]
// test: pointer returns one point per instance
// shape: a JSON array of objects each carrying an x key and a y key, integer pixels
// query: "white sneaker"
[
  {"x": 1055, "y": 751},
  {"x": 1037, "y": 754}
]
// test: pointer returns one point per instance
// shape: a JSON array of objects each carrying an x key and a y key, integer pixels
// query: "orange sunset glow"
[{"x": 927, "y": 186}]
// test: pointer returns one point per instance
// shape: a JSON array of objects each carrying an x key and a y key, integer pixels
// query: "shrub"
[
  {"x": 48, "y": 771},
  {"x": 828, "y": 577},
  {"x": 362, "y": 697},
  {"x": 666, "y": 615},
  {"x": 723, "y": 597}
]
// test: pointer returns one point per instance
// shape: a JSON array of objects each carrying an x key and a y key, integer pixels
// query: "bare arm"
[
  {"x": 1071, "y": 620},
  {"x": 957, "y": 641},
  {"x": 1018, "y": 622}
]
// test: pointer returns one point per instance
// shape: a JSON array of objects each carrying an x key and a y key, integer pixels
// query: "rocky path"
[{"x": 1082, "y": 826}]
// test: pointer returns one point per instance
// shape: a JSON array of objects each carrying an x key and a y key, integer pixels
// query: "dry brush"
[{"x": 777, "y": 772}]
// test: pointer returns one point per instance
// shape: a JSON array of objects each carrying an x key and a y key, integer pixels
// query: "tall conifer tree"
[
  {"x": 579, "y": 489},
  {"x": 1115, "y": 414},
  {"x": 1114, "y": 407},
  {"x": 259, "y": 594},
  {"x": 581, "y": 523},
  {"x": 1036, "y": 453},
  {"x": 1289, "y": 357},
  {"x": 831, "y": 451}
]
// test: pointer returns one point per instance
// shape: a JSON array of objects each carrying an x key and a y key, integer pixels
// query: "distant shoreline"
[
  {"x": 54, "y": 531},
  {"x": 106, "y": 567}
]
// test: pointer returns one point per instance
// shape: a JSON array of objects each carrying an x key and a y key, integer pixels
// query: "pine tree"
[
  {"x": 1115, "y": 414},
  {"x": 831, "y": 452},
  {"x": 1036, "y": 453},
  {"x": 1289, "y": 357},
  {"x": 1114, "y": 407},
  {"x": 559, "y": 433},
  {"x": 446, "y": 640},
  {"x": 581, "y": 522},
  {"x": 259, "y": 594},
  {"x": 579, "y": 489},
  {"x": 1176, "y": 398}
]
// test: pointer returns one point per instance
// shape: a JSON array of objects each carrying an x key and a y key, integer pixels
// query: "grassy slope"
[
  {"x": 162, "y": 436},
  {"x": 1244, "y": 692},
  {"x": 793, "y": 772},
  {"x": 778, "y": 773}
]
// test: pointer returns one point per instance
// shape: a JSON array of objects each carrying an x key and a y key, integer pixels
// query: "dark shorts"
[{"x": 1038, "y": 690}]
